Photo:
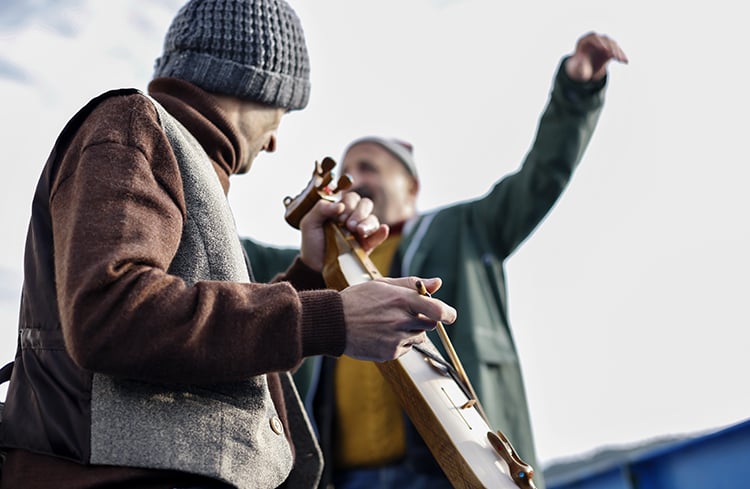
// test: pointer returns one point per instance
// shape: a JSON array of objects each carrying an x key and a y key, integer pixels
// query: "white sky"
[{"x": 628, "y": 303}]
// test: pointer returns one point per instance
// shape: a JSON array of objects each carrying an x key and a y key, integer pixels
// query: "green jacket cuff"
[{"x": 575, "y": 95}]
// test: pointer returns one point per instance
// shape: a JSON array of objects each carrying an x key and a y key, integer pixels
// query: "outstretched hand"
[{"x": 592, "y": 55}]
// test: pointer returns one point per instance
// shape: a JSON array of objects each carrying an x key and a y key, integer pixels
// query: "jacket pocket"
[{"x": 494, "y": 345}]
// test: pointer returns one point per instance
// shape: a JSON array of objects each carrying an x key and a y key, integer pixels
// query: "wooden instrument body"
[{"x": 456, "y": 435}]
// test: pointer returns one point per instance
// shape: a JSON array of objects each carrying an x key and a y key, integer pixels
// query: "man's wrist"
[{"x": 582, "y": 94}]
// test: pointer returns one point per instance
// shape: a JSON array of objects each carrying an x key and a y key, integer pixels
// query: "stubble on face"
[{"x": 258, "y": 127}]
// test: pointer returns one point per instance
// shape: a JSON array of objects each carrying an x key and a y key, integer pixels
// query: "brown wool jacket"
[{"x": 116, "y": 208}]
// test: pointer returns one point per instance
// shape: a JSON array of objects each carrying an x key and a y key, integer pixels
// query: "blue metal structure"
[{"x": 718, "y": 460}]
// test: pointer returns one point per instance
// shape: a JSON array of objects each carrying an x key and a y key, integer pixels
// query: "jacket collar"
[{"x": 198, "y": 111}]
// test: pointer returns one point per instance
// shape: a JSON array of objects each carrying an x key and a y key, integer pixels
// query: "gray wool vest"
[{"x": 225, "y": 431}]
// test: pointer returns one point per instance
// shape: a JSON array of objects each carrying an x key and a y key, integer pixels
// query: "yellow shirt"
[{"x": 369, "y": 419}]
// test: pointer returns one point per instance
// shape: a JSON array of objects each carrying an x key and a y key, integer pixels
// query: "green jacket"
[{"x": 483, "y": 233}]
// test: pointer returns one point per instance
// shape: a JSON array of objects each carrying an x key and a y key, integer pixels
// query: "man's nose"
[{"x": 270, "y": 146}]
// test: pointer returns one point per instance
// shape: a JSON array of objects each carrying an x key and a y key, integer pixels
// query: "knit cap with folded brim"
[
  {"x": 403, "y": 151},
  {"x": 251, "y": 49}
]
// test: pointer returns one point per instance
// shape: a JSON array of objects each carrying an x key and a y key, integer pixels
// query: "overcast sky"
[{"x": 627, "y": 304}]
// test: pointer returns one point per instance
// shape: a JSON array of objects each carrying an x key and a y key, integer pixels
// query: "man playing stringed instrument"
[
  {"x": 147, "y": 356},
  {"x": 370, "y": 444}
]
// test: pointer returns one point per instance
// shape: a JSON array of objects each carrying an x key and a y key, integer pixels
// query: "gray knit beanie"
[
  {"x": 251, "y": 49},
  {"x": 403, "y": 151}
]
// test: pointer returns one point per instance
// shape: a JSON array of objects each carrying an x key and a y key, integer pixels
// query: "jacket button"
[{"x": 276, "y": 425}]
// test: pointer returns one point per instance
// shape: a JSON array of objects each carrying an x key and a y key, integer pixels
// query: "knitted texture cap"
[
  {"x": 402, "y": 150},
  {"x": 250, "y": 49}
]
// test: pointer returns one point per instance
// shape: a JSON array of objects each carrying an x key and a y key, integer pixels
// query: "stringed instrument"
[{"x": 435, "y": 393}]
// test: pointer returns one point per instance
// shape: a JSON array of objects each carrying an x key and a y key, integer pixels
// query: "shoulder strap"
[
  {"x": 4, "y": 377},
  {"x": 5, "y": 372}
]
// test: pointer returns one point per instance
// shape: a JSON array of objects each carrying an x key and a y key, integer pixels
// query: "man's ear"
[{"x": 414, "y": 187}]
